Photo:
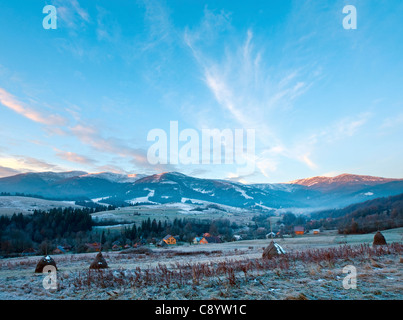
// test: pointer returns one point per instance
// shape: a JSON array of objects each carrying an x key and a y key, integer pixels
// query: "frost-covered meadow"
[{"x": 311, "y": 269}]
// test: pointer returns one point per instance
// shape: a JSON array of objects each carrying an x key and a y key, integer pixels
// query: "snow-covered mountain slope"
[
  {"x": 341, "y": 181},
  {"x": 173, "y": 187}
]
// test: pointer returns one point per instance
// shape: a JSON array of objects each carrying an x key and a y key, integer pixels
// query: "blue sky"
[{"x": 322, "y": 100}]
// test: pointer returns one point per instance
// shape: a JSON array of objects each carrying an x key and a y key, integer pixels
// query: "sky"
[{"x": 321, "y": 100}]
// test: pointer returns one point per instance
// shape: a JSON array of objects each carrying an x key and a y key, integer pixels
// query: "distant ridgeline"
[
  {"x": 121, "y": 189},
  {"x": 365, "y": 217}
]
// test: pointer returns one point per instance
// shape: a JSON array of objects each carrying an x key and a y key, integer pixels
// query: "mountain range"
[{"x": 111, "y": 188}]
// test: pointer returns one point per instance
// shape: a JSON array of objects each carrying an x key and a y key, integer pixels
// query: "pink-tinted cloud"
[
  {"x": 74, "y": 157},
  {"x": 9, "y": 101},
  {"x": 6, "y": 172},
  {"x": 90, "y": 136},
  {"x": 113, "y": 146}
]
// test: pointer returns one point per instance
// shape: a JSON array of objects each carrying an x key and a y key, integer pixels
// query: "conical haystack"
[
  {"x": 45, "y": 261},
  {"x": 379, "y": 239},
  {"x": 99, "y": 262},
  {"x": 273, "y": 249}
]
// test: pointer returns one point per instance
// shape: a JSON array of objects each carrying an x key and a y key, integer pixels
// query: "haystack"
[
  {"x": 45, "y": 261},
  {"x": 99, "y": 262},
  {"x": 379, "y": 239},
  {"x": 273, "y": 249}
]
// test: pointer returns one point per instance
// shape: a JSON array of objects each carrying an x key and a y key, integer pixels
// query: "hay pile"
[
  {"x": 45, "y": 261},
  {"x": 379, "y": 239},
  {"x": 99, "y": 262},
  {"x": 273, "y": 249}
]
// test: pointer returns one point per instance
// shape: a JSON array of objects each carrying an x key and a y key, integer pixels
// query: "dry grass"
[
  {"x": 313, "y": 273},
  {"x": 319, "y": 264}
]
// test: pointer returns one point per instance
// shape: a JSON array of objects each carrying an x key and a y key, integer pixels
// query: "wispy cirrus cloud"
[
  {"x": 11, "y": 102},
  {"x": 349, "y": 126},
  {"x": 108, "y": 28},
  {"x": 92, "y": 137},
  {"x": 247, "y": 87},
  {"x": 117, "y": 147},
  {"x": 340, "y": 129},
  {"x": 259, "y": 85},
  {"x": 158, "y": 24},
  {"x": 392, "y": 122},
  {"x": 72, "y": 14},
  {"x": 307, "y": 147}
]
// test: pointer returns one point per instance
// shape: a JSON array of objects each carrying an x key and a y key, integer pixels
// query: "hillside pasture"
[
  {"x": 169, "y": 212},
  {"x": 26, "y": 205}
]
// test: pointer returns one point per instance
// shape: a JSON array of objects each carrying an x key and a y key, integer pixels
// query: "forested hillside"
[{"x": 368, "y": 216}]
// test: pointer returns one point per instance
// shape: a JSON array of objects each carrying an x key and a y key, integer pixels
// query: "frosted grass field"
[{"x": 235, "y": 270}]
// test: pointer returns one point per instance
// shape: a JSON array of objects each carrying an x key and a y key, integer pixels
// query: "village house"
[
  {"x": 206, "y": 240},
  {"x": 197, "y": 240},
  {"x": 299, "y": 230},
  {"x": 59, "y": 250},
  {"x": 93, "y": 247},
  {"x": 213, "y": 239},
  {"x": 116, "y": 246},
  {"x": 168, "y": 239}
]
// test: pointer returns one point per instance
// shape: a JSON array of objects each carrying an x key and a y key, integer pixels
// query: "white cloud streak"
[
  {"x": 9, "y": 101},
  {"x": 245, "y": 87}
]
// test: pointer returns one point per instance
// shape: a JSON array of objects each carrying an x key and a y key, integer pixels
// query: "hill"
[
  {"x": 16, "y": 204},
  {"x": 372, "y": 215}
]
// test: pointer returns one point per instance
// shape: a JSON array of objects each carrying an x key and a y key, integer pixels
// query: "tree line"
[
  {"x": 43, "y": 231},
  {"x": 20, "y": 232},
  {"x": 185, "y": 229},
  {"x": 369, "y": 216},
  {"x": 365, "y": 217}
]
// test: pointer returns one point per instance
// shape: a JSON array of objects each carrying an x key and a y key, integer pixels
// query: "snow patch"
[
  {"x": 202, "y": 190},
  {"x": 99, "y": 199},
  {"x": 243, "y": 193},
  {"x": 143, "y": 199}
]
